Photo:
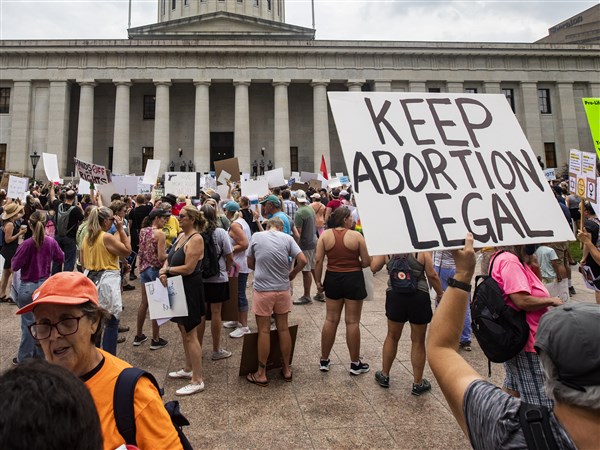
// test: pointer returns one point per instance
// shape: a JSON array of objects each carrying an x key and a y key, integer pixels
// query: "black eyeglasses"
[
  {"x": 65, "y": 327},
  {"x": 182, "y": 216}
]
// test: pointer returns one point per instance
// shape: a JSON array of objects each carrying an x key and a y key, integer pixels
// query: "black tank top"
[{"x": 177, "y": 257}]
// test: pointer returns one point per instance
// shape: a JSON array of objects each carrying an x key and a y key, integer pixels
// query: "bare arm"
[
  {"x": 319, "y": 260},
  {"x": 451, "y": 371},
  {"x": 194, "y": 252},
  {"x": 295, "y": 233},
  {"x": 328, "y": 212},
  {"x": 251, "y": 262},
  {"x": 526, "y": 302},
  {"x": 9, "y": 232},
  {"x": 161, "y": 245},
  {"x": 300, "y": 263},
  {"x": 365, "y": 258},
  {"x": 237, "y": 234},
  {"x": 432, "y": 275},
  {"x": 121, "y": 245},
  {"x": 588, "y": 246},
  {"x": 377, "y": 263},
  {"x": 228, "y": 261}
]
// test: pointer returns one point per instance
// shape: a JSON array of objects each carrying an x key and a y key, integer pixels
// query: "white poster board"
[
  {"x": 588, "y": 175},
  {"x": 275, "y": 177},
  {"x": 152, "y": 171},
  {"x": 550, "y": 174},
  {"x": 125, "y": 184},
  {"x": 84, "y": 187},
  {"x": 181, "y": 183},
  {"x": 142, "y": 187},
  {"x": 256, "y": 188},
  {"x": 166, "y": 302},
  {"x": 17, "y": 187},
  {"x": 50, "y": 162},
  {"x": 436, "y": 166},
  {"x": 94, "y": 173},
  {"x": 305, "y": 177}
]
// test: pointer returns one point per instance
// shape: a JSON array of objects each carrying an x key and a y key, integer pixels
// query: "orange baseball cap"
[{"x": 64, "y": 288}]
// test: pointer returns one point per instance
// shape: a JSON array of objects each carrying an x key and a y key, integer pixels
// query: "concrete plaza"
[{"x": 317, "y": 410}]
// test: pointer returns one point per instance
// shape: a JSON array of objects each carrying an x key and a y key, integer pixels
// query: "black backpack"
[
  {"x": 535, "y": 424},
  {"x": 123, "y": 407},
  {"x": 62, "y": 219},
  {"x": 402, "y": 280},
  {"x": 210, "y": 263},
  {"x": 501, "y": 331}
]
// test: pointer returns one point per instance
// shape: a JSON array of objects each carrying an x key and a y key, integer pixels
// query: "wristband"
[{"x": 459, "y": 285}]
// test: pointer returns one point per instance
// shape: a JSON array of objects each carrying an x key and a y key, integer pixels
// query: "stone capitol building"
[{"x": 214, "y": 79}]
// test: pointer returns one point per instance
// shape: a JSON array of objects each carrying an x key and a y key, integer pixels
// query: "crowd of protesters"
[{"x": 68, "y": 258}]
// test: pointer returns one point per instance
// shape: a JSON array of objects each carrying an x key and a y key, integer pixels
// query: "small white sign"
[
  {"x": 166, "y": 302},
  {"x": 224, "y": 177},
  {"x": 17, "y": 187},
  {"x": 256, "y": 188},
  {"x": 50, "y": 162},
  {"x": 275, "y": 177},
  {"x": 181, "y": 183},
  {"x": 550, "y": 174},
  {"x": 152, "y": 171},
  {"x": 125, "y": 184}
]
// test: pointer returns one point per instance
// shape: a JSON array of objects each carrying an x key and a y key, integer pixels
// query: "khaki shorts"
[
  {"x": 562, "y": 251},
  {"x": 310, "y": 260},
  {"x": 266, "y": 303}
]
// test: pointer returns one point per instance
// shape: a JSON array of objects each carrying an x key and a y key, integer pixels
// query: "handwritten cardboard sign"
[
  {"x": 93, "y": 173},
  {"x": 166, "y": 302},
  {"x": 17, "y": 187},
  {"x": 231, "y": 166},
  {"x": 441, "y": 165},
  {"x": 249, "y": 360}
]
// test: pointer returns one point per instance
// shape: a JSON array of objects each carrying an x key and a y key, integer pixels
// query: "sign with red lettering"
[
  {"x": 93, "y": 173},
  {"x": 428, "y": 168}
]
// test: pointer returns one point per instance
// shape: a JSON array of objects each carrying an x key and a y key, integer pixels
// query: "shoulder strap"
[
  {"x": 535, "y": 423},
  {"x": 123, "y": 401},
  {"x": 492, "y": 261}
]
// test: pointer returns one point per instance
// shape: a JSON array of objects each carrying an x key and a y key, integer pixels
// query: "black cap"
[{"x": 158, "y": 212}]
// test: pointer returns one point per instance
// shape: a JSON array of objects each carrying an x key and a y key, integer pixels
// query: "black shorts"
[
  {"x": 414, "y": 308},
  {"x": 216, "y": 292},
  {"x": 348, "y": 285}
]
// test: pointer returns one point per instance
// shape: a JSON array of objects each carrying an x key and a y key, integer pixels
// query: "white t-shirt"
[{"x": 240, "y": 257}]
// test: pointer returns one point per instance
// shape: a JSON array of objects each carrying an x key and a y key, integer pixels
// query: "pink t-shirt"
[{"x": 513, "y": 277}]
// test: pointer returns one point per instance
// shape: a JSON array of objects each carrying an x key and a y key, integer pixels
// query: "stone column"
[
  {"x": 382, "y": 85},
  {"x": 567, "y": 116},
  {"x": 121, "y": 135},
  {"x": 455, "y": 87},
  {"x": 18, "y": 152},
  {"x": 85, "y": 127},
  {"x": 241, "y": 137},
  {"x": 417, "y": 86},
  {"x": 58, "y": 122},
  {"x": 530, "y": 116},
  {"x": 202, "y": 127},
  {"x": 595, "y": 90},
  {"x": 281, "y": 148},
  {"x": 354, "y": 86},
  {"x": 321, "y": 124},
  {"x": 492, "y": 87},
  {"x": 162, "y": 136}
]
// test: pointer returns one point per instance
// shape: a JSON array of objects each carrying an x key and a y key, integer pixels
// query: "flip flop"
[
  {"x": 250, "y": 378},
  {"x": 4, "y": 299},
  {"x": 287, "y": 379}
]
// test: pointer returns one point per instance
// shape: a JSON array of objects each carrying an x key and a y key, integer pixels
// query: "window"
[
  {"x": 544, "y": 101},
  {"x": 255, "y": 2},
  {"x": 550, "y": 153},
  {"x": 269, "y": 4},
  {"x": 173, "y": 4},
  {"x": 149, "y": 106},
  {"x": 2, "y": 156},
  {"x": 186, "y": 2},
  {"x": 164, "y": 6},
  {"x": 434, "y": 90},
  {"x": 510, "y": 98},
  {"x": 110, "y": 158},
  {"x": 294, "y": 159},
  {"x": 470, "y": 90},
  {"x": 147, "y": 153},
  {"x": 4, "y": 100}
]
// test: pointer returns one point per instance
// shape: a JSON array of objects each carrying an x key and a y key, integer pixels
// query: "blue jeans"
[
  {"x": 28, "y": 347},
  {"x": 465, "y": 336},
  {"x": 110, "y": 335},
  {"x": 242, "y": 299},
  {"x": 69, "y": 247},
  {"x": 149, "y": 274}
]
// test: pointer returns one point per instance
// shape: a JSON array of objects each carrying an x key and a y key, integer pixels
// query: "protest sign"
[
  {"x": 152, "y": 171},
  {"x": 592, "y": 111},
  {"x": 295, "y": 175},
  {"x": 166, "y": 302},
  {"x": 231, "y": 166},
  {"x": 550, "y": 174},
  {"x": 334, "y": 183},
  {"x": 275, "y": 177},
  {"x": 574, "y": 169},
  {"x": 245, "y": 176},
  {"x": 223, "y": 191},
  {"x": 255, "y": 188},
  {"x": 84, "y": 187},
  {"x": 305, "y": 177},
  {"x": 249, "y": 359},
  {"x": 93, "y": 173},
  {"x": 17, "y": 187},
  {"x": 345, "y": 181},
  {"x": 125, "y": 184},
  {"x": 300, "y": 186},
  {"x": 588, "y": 176},
  {"x": 50, "y": 162},
  {"x": 182, "y": 183},
  {"x": 224, "y": 176},
  {"x": 339, "y": 174},
  {"x": 106, "y": 191},
  {"x": 143, "y": 188},
  {"x": 314, "y": 184},
  {"x": 436, "y": 166}
]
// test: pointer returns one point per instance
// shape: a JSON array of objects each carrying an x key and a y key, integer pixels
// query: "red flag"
[{"x": 324, "y": 168}]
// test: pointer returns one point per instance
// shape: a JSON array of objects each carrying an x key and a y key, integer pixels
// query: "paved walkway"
[{"x": 317, "y": 410}]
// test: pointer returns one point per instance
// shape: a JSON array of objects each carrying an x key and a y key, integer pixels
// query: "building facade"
[{"x": 214, "y": 79}]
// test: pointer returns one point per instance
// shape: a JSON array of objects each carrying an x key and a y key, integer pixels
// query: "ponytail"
[
  {"x": 37, "y": 221},
  {"x": 94, "y": 223}
]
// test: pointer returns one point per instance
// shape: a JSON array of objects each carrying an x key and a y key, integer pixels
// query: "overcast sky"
[{"x": 398, "y": 20}]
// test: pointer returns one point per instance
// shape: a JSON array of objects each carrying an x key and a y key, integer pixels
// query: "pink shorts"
[{"x": 268, "y": 302}]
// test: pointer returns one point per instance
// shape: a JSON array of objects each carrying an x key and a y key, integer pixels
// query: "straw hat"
[{"x": 11, "y": 210}]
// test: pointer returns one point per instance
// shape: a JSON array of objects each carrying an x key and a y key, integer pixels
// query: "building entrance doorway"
[
  {"x": 147, "y": 153},
  {"x": 221, "y": 147}
]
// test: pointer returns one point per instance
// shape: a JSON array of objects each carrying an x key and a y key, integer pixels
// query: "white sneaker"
[
  {"x": 180, "y": 374},
  {"x": 232, "y": 324},
  {"x": 221, "y": 354},
  {"x": 273, "y": 326},
  {"x": 190, "y": 389},
  {"x": 239, "y": 332}
]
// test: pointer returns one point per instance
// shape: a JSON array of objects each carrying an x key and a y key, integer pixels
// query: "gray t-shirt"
[
  {"x": 492, "y": 418},
  {"x": 223, "y": 248},
  {"x": 307, "y": 222},
  {"x": 271, "y": 251}
]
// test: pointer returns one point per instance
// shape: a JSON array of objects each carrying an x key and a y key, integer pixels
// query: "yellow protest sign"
[{"x": 592, "y": 110}]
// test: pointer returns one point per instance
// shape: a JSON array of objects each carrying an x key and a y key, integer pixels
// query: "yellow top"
[
  {"x": 97, "y": 257},
  {"x": 171, "y": 229}
]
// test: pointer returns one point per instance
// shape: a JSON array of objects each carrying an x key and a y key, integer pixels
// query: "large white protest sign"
[
  {"x": 93, "y": 173},
  {"x": 125, "y": 184},
  {"x": 181, "y": 183},
  {"x": 166, "y": 302},
  {"x": 50, "y": 162},
  {"x": 428, "y": 168},
  {"x": 275, "y": 177},
  {"x": 143, "y": 188},
  {"x": 152, "y": 170},
  {"x": 256, "y": 188},
  {"x": 17, "y": 187},
  {"x": 84, "y": 187}
]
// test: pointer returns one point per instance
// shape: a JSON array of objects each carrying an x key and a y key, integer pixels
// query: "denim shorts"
[{"x": 150, "y": 274}]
